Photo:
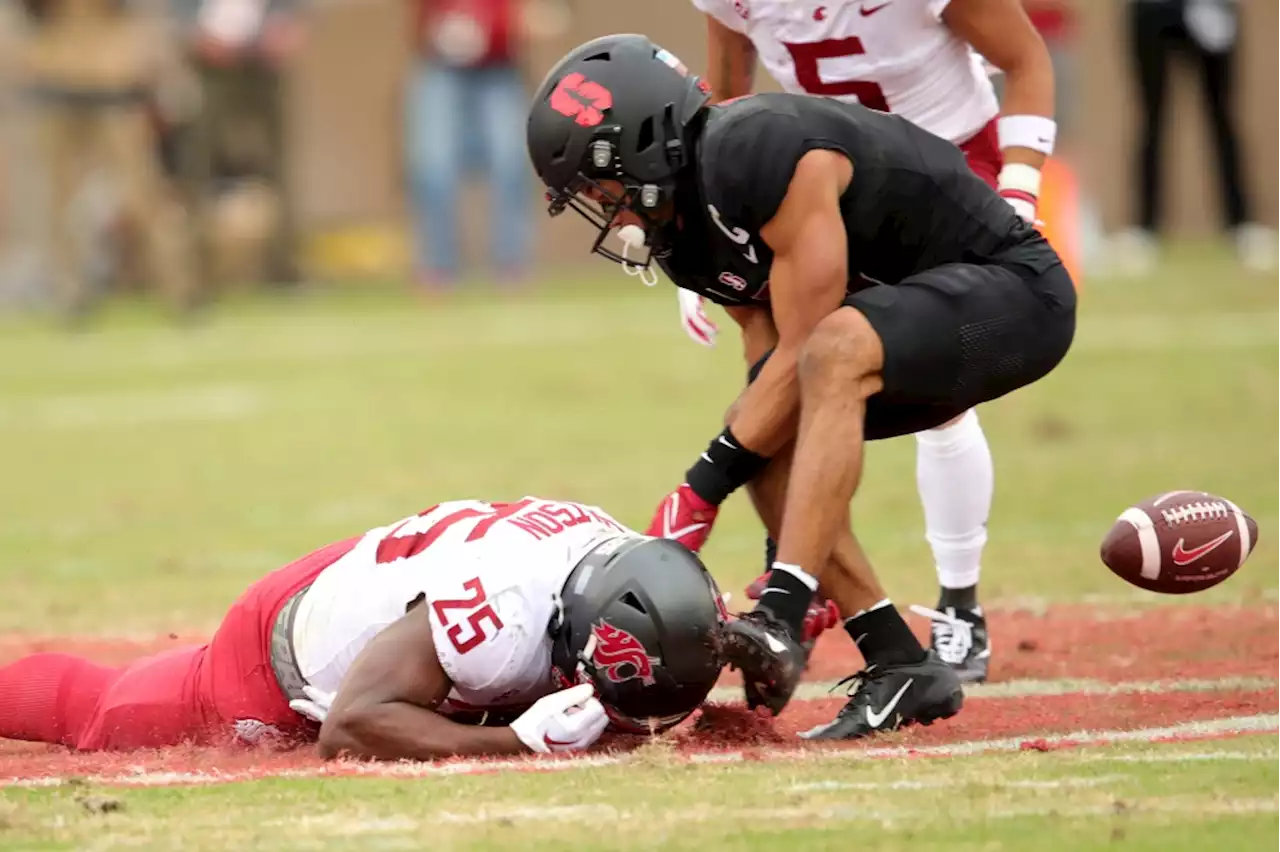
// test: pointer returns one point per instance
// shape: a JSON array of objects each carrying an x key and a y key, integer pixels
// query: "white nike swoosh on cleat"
[
  {"x": 874, "y": 719},
  {"x": 858, "y": 641},
  {"x": 775, "y": 645}
]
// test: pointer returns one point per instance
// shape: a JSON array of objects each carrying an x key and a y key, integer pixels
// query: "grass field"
[{"x": 150, "y": 473}]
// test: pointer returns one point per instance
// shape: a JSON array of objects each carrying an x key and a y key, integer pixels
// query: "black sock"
[
  {"x": 883, "y": 637},
  {"x": 770, "y": 553},
  {"x": 966, "y": 598},
  {"x": 787, "y": 597}
]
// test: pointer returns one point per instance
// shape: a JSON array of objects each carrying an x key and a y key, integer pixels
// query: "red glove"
[
  {"x": 823, "y": 614},
  {"x": 685, "y": 517}
]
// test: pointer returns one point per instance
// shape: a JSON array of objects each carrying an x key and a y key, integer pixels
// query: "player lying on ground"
[
  {"x": 916, "y": 59},
  {"x": 882, "y": 288},
  {"x": 473, "y": 628}
]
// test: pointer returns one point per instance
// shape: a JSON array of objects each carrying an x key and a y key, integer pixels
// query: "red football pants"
[
  {"x": 983, "y": 152},
  {"x": 206, "y": 694}
]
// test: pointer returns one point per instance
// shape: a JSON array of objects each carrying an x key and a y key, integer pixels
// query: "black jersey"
[{"x": 913, "y": 203}]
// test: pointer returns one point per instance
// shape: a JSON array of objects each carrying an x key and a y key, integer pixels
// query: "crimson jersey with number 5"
[
  {"x": 891, "y": 55},
  {"x": 490, "y": 574}
]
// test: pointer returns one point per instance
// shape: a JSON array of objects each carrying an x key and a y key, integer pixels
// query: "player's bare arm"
[
  {"x": 807, "y": 281},
  {"x": 1001, "y": 31},
  {"x": 385, "y": 706},
  {"x": 731, "y": 62}
]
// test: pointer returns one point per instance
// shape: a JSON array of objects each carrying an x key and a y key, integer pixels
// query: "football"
[{"x": 1179, "y": 542}]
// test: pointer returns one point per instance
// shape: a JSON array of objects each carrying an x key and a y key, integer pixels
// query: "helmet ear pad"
[{"x": 641, "y": 622}]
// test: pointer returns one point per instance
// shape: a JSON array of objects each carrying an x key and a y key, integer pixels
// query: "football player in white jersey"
[
  {"x": 473, "y": 628},
  {"x": 923, "y": 60}
]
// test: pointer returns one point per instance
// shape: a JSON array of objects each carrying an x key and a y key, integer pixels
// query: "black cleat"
[
  {"x": 885, "y": 698},
  {"x": 960, "y": 638},
  {"x": 770, "y": 658}
]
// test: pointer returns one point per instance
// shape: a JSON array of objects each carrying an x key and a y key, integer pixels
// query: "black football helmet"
[
  {"x": 616, "y": 108},
  {"x": 640, "y": 619}
]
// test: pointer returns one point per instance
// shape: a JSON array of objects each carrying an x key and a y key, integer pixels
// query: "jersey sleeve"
[
  {"x": 748, "y": 163},
  {"x": 485, "y": 648},
  {"x": 722, "y": 11}
]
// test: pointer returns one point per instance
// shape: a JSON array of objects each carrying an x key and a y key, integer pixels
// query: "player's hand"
[
  {"x": 823, "y": 614},
  {"x": 685, "y": 517},
  {"x": 694, "y": 318},
  {"x": 569, "y": 720},
  {"x": 315, "y": 706}
]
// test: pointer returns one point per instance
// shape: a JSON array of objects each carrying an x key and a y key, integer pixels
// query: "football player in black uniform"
[{"x": 882, "y": 288}]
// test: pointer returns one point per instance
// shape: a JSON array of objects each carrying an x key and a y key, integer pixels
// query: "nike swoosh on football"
[
  {"x": 874, "y": 719},
  {"x": 864, "y": 11},
  {"x": 1182, "y": 556}
]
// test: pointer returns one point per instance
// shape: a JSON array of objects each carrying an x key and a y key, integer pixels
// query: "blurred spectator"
[
  {"x": 465, "y": 109},
  {"x": 233, "y": 156},
  {"x": 90, "y": 72},
  {"x": 1205, "y": 32}
]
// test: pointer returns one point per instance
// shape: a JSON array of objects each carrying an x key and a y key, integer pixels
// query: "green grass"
[
  {"x": 148, "y": 474},
  {"x": 154, "y": 472},
  {"x": 1095, "y": 798}
]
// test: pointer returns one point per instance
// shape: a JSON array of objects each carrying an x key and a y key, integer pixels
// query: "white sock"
[{"x": 956, "y": 478}]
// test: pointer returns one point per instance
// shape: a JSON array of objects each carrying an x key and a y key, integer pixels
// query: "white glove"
[
  {"x": 315, "y": 706},
  {"x": 695, "y": 320},
  {"x": 569, "y": 720}
]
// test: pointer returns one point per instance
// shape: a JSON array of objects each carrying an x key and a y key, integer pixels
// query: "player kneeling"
[{"x": 473, "y": 628}]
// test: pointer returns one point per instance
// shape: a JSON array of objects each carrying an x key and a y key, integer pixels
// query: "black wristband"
[{"x": 725, "y": 467}]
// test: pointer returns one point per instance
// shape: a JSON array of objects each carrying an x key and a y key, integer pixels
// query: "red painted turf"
[{"x": 1152, "y": 644}]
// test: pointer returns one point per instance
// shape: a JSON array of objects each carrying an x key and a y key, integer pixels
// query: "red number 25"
[
  {"x": 468, "y": 634},
  {"x": 805, "y": 57}
]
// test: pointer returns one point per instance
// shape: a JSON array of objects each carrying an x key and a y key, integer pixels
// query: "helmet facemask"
[{"x": 649, "y": 202}]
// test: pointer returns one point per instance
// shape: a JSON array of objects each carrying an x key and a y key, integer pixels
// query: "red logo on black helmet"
[
  {"x": 581, "y": 99},
  {"x": 620, "y": 656}
]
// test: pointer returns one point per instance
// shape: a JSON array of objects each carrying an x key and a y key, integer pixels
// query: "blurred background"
[
  {"x": 338, "y": 190},
  {"x": 196, "y": 147}
]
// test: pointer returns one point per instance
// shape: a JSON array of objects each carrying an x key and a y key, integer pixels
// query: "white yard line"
[
  {"x": 1188, "y": 731},
  {"x": 1063, "y": 783},
  {"x": 812, "y": 690}
]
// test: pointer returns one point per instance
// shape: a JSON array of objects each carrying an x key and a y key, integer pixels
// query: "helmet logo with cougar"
[
  {"x": 581, "y": 99},
  {"x": 620, "y": 656}
]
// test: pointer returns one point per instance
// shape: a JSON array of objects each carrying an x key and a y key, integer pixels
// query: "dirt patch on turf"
[
  {"x": 1169, "y": 643},
  {"x": 1104, "y": 643}
]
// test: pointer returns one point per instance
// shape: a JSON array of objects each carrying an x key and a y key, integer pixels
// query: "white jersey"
[
  {"x": 491, "y": 574},
  {"x": 892, "y": 55}
]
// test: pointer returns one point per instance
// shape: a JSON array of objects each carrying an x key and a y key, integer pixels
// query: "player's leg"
[
  {"x": 152, "y": 703},
  {"x": 839, "y": 370},
  {"x": 893, "y": 361},
  {"x": 846, "y": 362},
  {"x": 237, "y": 685},
  {"x": 51, "y": 698},
  {"x": 955, "y": 476}
]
